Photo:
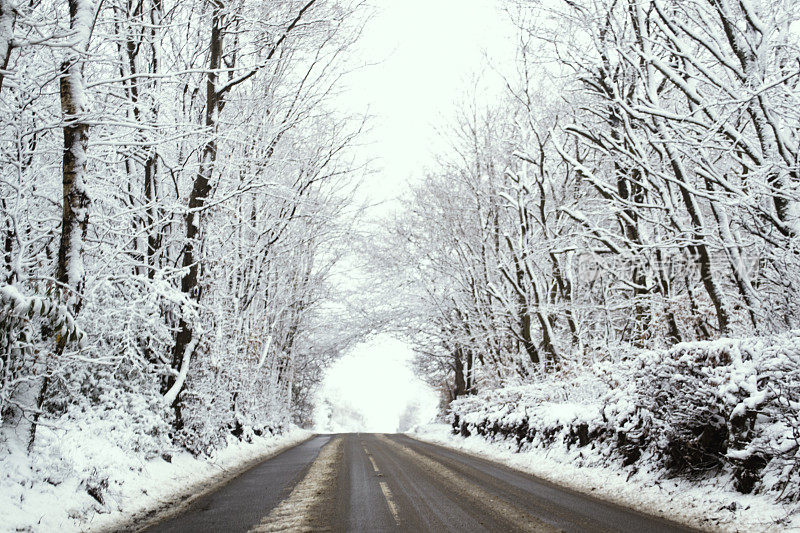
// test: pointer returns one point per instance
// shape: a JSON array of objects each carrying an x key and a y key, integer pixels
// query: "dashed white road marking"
[
  {"x": 390, "y": 502},
  {"x": 374, "y": 466},
  {"x": 371, "y": 460},
  {"x": 387, "y": 494}
]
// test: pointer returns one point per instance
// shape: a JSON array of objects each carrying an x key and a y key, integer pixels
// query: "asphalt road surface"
[{"x": 373, "y": 483}]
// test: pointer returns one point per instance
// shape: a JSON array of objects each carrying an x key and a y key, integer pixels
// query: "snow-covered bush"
[
  {"x": 228, "y": 396},
  {"x": 705, "y": 405},
  {"x": 727, "y": 407},
  {"x": 130, "y": 322},
  {"x": 27, "y": 325}
]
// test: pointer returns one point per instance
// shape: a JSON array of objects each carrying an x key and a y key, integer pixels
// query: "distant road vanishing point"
[{"x": 365, "y": 482}]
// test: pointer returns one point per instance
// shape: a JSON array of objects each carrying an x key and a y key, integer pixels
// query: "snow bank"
[
  {"x": 101, "y": 469},
  {"x": 710, "y": 504},
  {"x": 726, "y": 411}
]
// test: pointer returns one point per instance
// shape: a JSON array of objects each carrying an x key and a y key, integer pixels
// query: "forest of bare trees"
[
  {"x": 174, "y": 190},
  {"x": 637, "y": 186}
]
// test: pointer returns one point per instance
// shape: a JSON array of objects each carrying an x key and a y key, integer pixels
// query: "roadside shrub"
[{"x": 730, "y": 406}]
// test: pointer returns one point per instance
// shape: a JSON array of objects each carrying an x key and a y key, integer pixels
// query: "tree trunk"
[
  {"x": 7, "y": 19},
  {"x": 197, "y": 200},
  {"x": 75, "y": 208},
  {"x": 460, "y": 385},
  {"x": 699, "y": 245}
]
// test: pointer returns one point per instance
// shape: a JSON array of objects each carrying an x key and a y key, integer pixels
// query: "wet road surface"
[{"x": 373, "y": 483}]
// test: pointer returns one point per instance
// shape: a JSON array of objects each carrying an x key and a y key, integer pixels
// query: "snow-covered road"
[{"x": 372, "y": 482}]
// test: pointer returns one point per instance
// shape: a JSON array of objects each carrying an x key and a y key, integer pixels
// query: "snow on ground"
[
  {"x": 50, "y": 490},
  {"x": 295, "y": 513},
  {"x": 713, "y": 505}
]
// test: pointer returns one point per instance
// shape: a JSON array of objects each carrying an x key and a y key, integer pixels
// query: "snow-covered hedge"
[
  {"x": 538, "y": 415},
  {"x": 727, "y": 407}
]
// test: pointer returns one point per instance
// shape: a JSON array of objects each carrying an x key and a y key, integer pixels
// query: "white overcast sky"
[{"x": 423, "y": 56}]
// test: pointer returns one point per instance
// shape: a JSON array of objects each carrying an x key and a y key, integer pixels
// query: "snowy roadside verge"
[
  {"x": 192, "y": 478},
  {"x": 709, "y": 506},
  {"x": 42, "y": 492}
]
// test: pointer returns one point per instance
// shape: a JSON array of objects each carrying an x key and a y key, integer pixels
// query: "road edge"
[
  {"x": 177, "y": 502},
  {"x": 601, "y": 496}
]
